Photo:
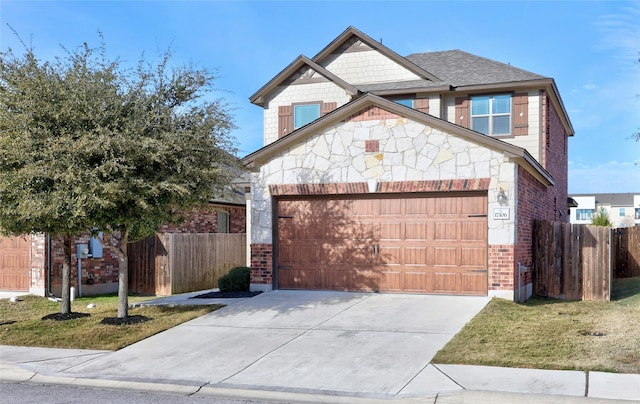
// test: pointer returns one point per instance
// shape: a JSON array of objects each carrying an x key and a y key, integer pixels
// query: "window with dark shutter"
[
  {"x": 285, "y": 120},
  {"x": 291, "y": 117},
  {"x": 421, "y": 104},
  {"x": 328, "y": 107},
  {"x": 462, "y": 111},
  {"x": 521, "y": 114}
]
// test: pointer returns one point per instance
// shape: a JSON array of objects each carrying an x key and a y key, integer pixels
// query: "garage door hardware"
[
  {"x": 476, "y": 215},
  {"x": 285, "y": 217},
  {"x": 376, "y": 249}
]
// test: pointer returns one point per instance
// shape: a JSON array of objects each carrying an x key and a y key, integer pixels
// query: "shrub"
[
  {"x": 237, "y": 279},
  {"x": 601, "y": 218}
]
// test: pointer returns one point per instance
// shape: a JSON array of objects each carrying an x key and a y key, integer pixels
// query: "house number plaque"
[{"x": 501, "y": 214}]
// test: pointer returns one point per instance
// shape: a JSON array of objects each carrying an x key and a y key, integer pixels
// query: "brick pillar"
[
  {"x": 502, "y": 268},
  {"x": 38, "y": 265},
  {"x": 261, "y": 267}
]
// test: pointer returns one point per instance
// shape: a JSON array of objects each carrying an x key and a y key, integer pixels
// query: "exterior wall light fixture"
[{"x": 502, "y": 197}]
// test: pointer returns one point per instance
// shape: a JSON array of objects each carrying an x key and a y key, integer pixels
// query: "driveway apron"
[{"x": 356, "y": 343}]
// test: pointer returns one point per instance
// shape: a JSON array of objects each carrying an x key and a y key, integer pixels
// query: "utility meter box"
[
  {"x": 82, "y": 250},
  {"x": 95, "y": 246}
]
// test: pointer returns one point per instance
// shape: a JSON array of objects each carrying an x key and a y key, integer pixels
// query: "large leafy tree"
[{"x": 87, "y": 144}]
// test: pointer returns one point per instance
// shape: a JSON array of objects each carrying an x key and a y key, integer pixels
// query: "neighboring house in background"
[
  {"x": 623, "y": 208},
  {"x": 404, "y": 174},
  {"x": 33, "y": 263}
]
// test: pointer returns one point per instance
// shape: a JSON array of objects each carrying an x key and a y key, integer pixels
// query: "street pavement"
[{"x": 313, "y": 346}]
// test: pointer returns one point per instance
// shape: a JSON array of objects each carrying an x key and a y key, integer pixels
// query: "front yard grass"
[
  {"x": 554, "y": 334},
  {"x": 21, "y": 322}
]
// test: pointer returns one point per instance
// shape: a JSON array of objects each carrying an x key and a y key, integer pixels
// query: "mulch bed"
[
  {"x": 125, "y": 320},
  {"x": 226, "y": 295},
  {"x": 65, "y": 316}
]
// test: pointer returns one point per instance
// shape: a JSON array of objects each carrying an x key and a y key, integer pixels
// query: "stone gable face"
[{"x": 375, "y": 147}]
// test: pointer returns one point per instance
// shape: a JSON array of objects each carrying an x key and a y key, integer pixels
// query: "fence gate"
[{"x": 572, "y": 261}]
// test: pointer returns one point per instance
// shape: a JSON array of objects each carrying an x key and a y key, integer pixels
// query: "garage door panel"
[
  {"x": 390, "y": 207},
  {"x": 475, "y": 257},
  {"x": 365, "y": 280},
  {"x": 472, "y": 283},
  {"x": 391, "y": 281},
  {"x": 391, "y": 231},
  {"x": 419, "y": 207},
  {"x": 336, "y": 279},
  {"x": 473, "y": 231},
  {"x": 445, "y": 282},
  {"x": 445, "y": 257},
  {"x": 299, "y": 278},
  {"x": 416, "y": 281},
  {"x": 415, "y": 256},
  {"x": 416, "y": 231},
  {"x": 411, "y": 243},
  {"x": 446, "y": 231}
]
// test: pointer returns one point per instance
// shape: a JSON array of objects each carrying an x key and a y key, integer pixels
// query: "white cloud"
[{"x": 610, "y": 177}]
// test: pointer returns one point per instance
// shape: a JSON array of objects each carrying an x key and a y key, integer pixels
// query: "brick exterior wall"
[
  {"x": 95, "y": 271},
  {"x": 103, "y": 271},
  {"x": 555, "y": 160},
  {"x": 500, "y": 266},
  {"x": 533, "y": 204},
  {"x": 371, "y": 113},
  {"x": 206, "y": 220},
  {"x": 262, "y": 264}
]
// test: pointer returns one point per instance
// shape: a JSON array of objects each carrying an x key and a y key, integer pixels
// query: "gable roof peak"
[
  {"x": 258, "y": 97},
  {"x": 376, "y": 45}
]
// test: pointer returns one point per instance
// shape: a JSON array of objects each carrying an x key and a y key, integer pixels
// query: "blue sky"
[{"x": 591, "y": 49}]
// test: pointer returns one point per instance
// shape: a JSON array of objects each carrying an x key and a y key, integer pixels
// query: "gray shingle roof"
[
  {"x": 460, "y": 68},
  {"x": 397, "y": 85}
]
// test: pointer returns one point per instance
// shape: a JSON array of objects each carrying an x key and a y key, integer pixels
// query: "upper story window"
[
  {"x": 491, "y": 114},
  {"x": 407, "y": 102},
  {"x": 304, "y": 114},
  {"x": 622, "y": 212},
  {"x": 584, "y": 214},
  {"x": 637, "y": 213}
]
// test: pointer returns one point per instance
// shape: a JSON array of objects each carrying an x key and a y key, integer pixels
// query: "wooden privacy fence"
[
  {"x": 626, "y": 252},
  {"x": 572, "y": 261},
  {"x": 167, "y": 264}
]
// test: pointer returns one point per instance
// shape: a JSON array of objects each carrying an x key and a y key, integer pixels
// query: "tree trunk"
[
  {"x": 66, "y": 275},
  {"x": 123, "y": 277}
]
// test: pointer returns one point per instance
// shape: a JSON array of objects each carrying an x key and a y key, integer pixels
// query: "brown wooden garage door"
[
  {"x": 401, "y": 243},
  {"x": 15, "y": 254}
]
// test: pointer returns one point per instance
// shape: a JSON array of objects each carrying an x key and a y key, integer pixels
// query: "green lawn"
[
  {"x": 554, "y": 334},
  {"x": 21, "y": 322}
]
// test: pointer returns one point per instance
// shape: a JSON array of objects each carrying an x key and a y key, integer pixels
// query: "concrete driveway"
[{"x": 307, "y": 341}]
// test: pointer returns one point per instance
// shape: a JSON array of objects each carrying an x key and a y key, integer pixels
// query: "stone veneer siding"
[{"x": 411, "y": 157}]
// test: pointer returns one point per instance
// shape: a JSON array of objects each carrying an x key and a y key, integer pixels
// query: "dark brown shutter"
[
  {"x": 327, "y": 107},
  {"x": 421, "y": 104},
  {"x": 521, "y": 114},
  {"x": 462, "y": 112},
  {"x": 285, "y": 120}
]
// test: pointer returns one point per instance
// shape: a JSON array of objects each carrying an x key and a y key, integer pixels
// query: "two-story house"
[
  {"x": 623, "y": 209},
  {"x": 418, "y": 174}
]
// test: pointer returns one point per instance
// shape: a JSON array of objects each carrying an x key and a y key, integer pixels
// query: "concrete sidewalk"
[{"x": 306, "y": 346}]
